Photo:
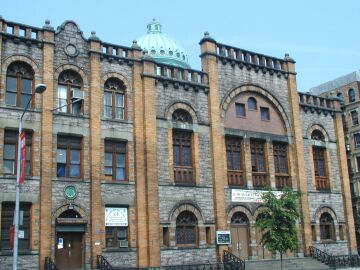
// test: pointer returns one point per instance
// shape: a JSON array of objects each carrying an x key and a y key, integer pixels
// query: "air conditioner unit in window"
[
  {"x": 123, "y": 243},
  {"x": 77, "y": 94}
]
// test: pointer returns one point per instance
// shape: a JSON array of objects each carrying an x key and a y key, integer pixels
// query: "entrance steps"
[{"x": 306, "y": 263}]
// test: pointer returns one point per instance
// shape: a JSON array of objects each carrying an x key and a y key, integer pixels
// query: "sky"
[{"x": 323, "y": 37}]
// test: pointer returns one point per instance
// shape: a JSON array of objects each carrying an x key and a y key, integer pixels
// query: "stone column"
[
  {"x": 247, "y": 163},
  {"x": 345, "y": 182},
  {"x": 96, "y": 150},
  {"x": 47, "y": 234},
  {"x": 298, "y": 150},
  {"x": 209, "y": 65}
]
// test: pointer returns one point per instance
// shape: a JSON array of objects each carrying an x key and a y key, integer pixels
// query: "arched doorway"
[
  {"x": 69, "y": 245},
  {"x": 240, "y": 235}
]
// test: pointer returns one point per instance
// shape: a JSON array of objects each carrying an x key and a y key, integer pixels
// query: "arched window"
[
  {"x": 70, "y": 214},
  {"x": 239, "y": 219},
  {"x": 341, "y": 98},
  {"x": 114, "y": 99},
  {"x": 317, "y": 135},
  {"x": 186, "y": 229},
  {"x": 327, "y": 228},
  {"x": 70, "y": 94},
  {"x": 351, "y": 94},
  {"x": 182, "y": 116},
  {"x": 252, "y": 104},
  {"x": 19, "y": 84}
]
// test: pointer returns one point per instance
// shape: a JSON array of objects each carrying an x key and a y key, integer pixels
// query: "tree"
[{"x": 277, "y": 222}]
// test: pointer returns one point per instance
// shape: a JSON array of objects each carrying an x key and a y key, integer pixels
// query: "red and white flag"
[{"x": 22, "y": 158}]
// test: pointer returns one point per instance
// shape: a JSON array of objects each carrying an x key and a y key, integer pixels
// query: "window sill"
[
  {"x": 13, "y": 177},
  {"x": 323, "y": 190},
  {"x": 187, "y": 247},
  {"x": 116, "y": 182},
  {"x": 21, "y": 109},
  {"x": 184, "y": 184},
  {"x": 69, "y": 179},
  {"x": 124, "y": 249},
  {"x": 71, "y": 115},
  {"x": 122, "y": 121}
]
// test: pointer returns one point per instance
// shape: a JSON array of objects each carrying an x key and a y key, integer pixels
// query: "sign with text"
[
  {"x": 22, "y": 158},
  {"x": 115, "y": 216},
  {"x": 223, "y": 238},
  {"x": 246, "y": 195}
]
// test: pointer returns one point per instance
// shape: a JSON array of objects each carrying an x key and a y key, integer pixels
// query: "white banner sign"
[
  {"x": 245, "y": 195},
  {"x": 116, "y": 216}
]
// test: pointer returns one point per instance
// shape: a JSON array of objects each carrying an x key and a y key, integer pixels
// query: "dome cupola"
[{"x": 161, "y": 47}]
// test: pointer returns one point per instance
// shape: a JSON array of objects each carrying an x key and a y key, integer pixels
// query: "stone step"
[{"x": 288, "y": 264}]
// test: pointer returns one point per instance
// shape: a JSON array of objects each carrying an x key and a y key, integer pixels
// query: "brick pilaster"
[
  {"x": 46, "y": 147},
  {"x": 150, "y": 153},
  {"x": 209, "y": 64},
  {"x": 298, "y": 150},
  {"x": 141, "y": 213},
  {"x": 96, "y": 153},
  {"x": 345, "y": 181}
]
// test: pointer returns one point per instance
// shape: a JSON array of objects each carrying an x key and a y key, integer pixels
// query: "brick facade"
[{"x": 150, "y": 193}]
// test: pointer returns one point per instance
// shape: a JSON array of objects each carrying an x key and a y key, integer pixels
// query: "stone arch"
[
  {"x": 181, "y": 105},
  {"x": 325, "y": 209},
  {"x": 319, "y": 127},
  {"x": 225, "y": 102},
  {"x": 242, "y": 209},
  {"x": 258, "y": 211},
  {"x": 75, "y": 68},
  {"x": 118, "y": 76},
  {"x": 186, "y": 206},
  {"x": 65, "y": 207},
  {"x": 22, "y": 58}
]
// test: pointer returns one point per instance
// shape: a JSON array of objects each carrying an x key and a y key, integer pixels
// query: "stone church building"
[{"x": 134, "y": 155}]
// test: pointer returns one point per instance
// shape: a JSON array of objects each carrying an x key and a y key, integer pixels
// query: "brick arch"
[
  {"x": 185, "y": 206},
  {"x": 22, "y": 58},
  {"x": 225, "y": 103},
  {"x": 74, "y": 68},
  {"x": 325, "y": 209},
  {"x": 118, "y": 76},
  {"x": 181, "y": 105},
  {"x": 65, "y": 207},
  {"x": 319, "y": 127},
  {"x": 242, "y": 209}
]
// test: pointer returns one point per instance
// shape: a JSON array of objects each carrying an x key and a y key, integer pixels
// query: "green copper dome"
[{"x": 163, "y": 48}]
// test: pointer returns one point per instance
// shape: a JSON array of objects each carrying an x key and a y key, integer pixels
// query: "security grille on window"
[
  {"x": 357, "y": 140},
  {"x": 7, "y": 220},
  {"x": 19, "y": 84},
  {"x": 114, "y": 99},
  {"x": 10, "y": 152},
  {"x": 327, "y": 229},
  {"x": 69, "y": 156},
  {"x": 70, "y": 94},
  {"x": 183, "y": 168},
  {"x": 186, "y": 229},
  {"x": 115, "y": 160},
  {"x": 355, "y": 117}
]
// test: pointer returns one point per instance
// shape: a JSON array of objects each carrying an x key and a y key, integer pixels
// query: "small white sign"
[
  {"x": 223, "y": 238},
  {"x": 115, "y": 216},
  {"x": 21, "y": 234},
  {"x": 246, "y": 195}
]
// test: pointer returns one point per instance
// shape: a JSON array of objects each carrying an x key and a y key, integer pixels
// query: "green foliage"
[{"x": 278, "y": 221}]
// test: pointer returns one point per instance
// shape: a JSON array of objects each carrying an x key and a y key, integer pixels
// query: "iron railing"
[
  {"x": 335, "y": 261},
  {"x": 231, "y": 262},
  {"x": 49, "y": 264}
]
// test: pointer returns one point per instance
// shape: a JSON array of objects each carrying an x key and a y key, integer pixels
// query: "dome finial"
[{"x": 154, "y": 26}]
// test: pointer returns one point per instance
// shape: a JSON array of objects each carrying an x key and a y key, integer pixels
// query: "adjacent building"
[
  {"x": 346, "y": 89},
  {"x": 133, "y": 155}
]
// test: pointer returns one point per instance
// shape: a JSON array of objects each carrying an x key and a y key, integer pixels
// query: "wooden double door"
[
  {"x": 69, "y": 250},
  {"x": 240, "y": 241}
]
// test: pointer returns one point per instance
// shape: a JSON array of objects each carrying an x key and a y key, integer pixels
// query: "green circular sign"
[{"x": 70, "y": 192}]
